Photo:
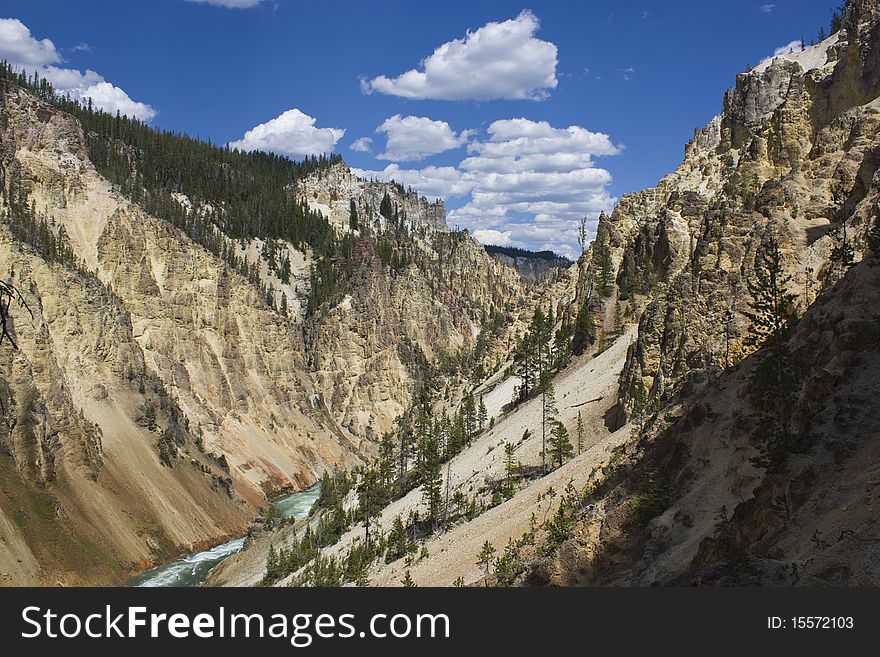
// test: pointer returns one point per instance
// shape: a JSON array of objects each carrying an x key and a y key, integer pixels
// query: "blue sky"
[{"x": 564, "y": 106}]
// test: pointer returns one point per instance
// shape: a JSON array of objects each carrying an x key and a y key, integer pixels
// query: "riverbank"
[{"x": 192, "y": 569}]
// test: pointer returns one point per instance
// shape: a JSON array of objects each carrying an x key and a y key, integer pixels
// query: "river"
[{"x": 192, "y": 569}]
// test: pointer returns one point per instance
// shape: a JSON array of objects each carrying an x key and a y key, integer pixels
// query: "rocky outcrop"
[
  {"x": 417, "y": 298},
  {"x": 332, "y": 192},
  {"x": 686, "y": 504},
  {"x": 156, "y": 396},
  {"x": 794, "y": 155}
]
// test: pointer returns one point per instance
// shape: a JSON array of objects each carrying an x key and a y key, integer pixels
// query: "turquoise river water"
[{"x": 192, "y": 569}]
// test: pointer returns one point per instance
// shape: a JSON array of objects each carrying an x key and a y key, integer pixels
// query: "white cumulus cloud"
[
  {"x": 496, "y": 237},
  {"x": 361, "y": 145},
  {"x": 433, "y": 182},
  {"x": 517, "y": 145},
  {"x": 231, "y": 4},
  {"x": 292, "y": 133},
  {"x": 411, "y": 138},
  {"x": 19, "y": 47},
  {"x": 22, "y": 50},
  {"x": 528, "y": 184},
  {"x": 790, "y": 47},
  {"x": 497, "y": 61}
]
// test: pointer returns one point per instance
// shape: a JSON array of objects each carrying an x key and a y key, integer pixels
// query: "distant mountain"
[{"x": 531, "y": 265}]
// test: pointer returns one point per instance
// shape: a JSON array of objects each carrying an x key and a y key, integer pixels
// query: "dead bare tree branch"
[{"x": 8, "y": 294}]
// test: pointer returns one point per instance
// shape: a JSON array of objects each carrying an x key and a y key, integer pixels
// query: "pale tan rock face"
[
  {"x": 162, "y": 313},
  {"x": 332, "y": 191},
  {"x": 372, "y": 350},
  {"x": 793, "y": 154},
  {"x": 86, "y": 497},
  {"x": 255, "y": 402},
  {"x": 232, "y": 364}
]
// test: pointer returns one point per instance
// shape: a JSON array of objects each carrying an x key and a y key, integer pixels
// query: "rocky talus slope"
[
  {"x": 156, "y": 398},
  {"x": 87, "y": 493},
  {"x": 684, "y": 502},
  {"x": 233, "y": 366}
]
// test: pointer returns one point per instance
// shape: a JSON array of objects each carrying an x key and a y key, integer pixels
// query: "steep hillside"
[
  {"x": 687, "y": 503},
  {"x": 735, "y": 446},
  {"x": 230, "y": 364},
  {"x": 750, "y": 467},
  {"x": 793, "y": 157},
  {"x": 100, "y": 474},
  {"x": 585, "y": 389},
  {"x": 420, "y": 305}
]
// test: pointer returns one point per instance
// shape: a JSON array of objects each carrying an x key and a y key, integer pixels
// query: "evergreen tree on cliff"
[
  {"x": 560, "y": 443},
  {"x": 602, "y": 263},
  {"x": 584, "y": 330},
  {"x": 772, "y": 316}
]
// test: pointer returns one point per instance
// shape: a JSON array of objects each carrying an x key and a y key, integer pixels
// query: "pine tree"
[
  {"x": 430, "y": 474},
  {"x": 837, "y": 17},
  {"x": 548, "y": 415},
  {"x": 584, "y": 330},
  {"x": 371, "y": 498},
  {"x": 385, "y": 207},
  {"x": 580, "y": 434},
  {"x": 272, "y": 570},
  {"x": 484, "y": 559},
  {"x": 618, "y": 320},
  {"x": 470, "y": 415},
  {"x": 399, "y": 543},
  {"x": 772, "y": 305},
  {"x": 560, "y": 443},
  {"x": 482, "y": 416},
  {"x": 536, "y": 355},
  {"x": 602, "y": 258},
  {"x": 540, "y": 339},
  {"x": 408, "y": 580},
  {"x": 601, "y": 340},
  {"x": 843, "y": 255},
  {"x": 582, "y": 235},
  {"x": 562, "y": 345},
  {"x": 457, "y": 436},
  {"x": 386, "y": 462},
  {"x": 511, "y": 469},
  {"x": 772, "y": 317},
  {"x": 353, "y": 216},
  {"x": 629, "y": 276}
]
